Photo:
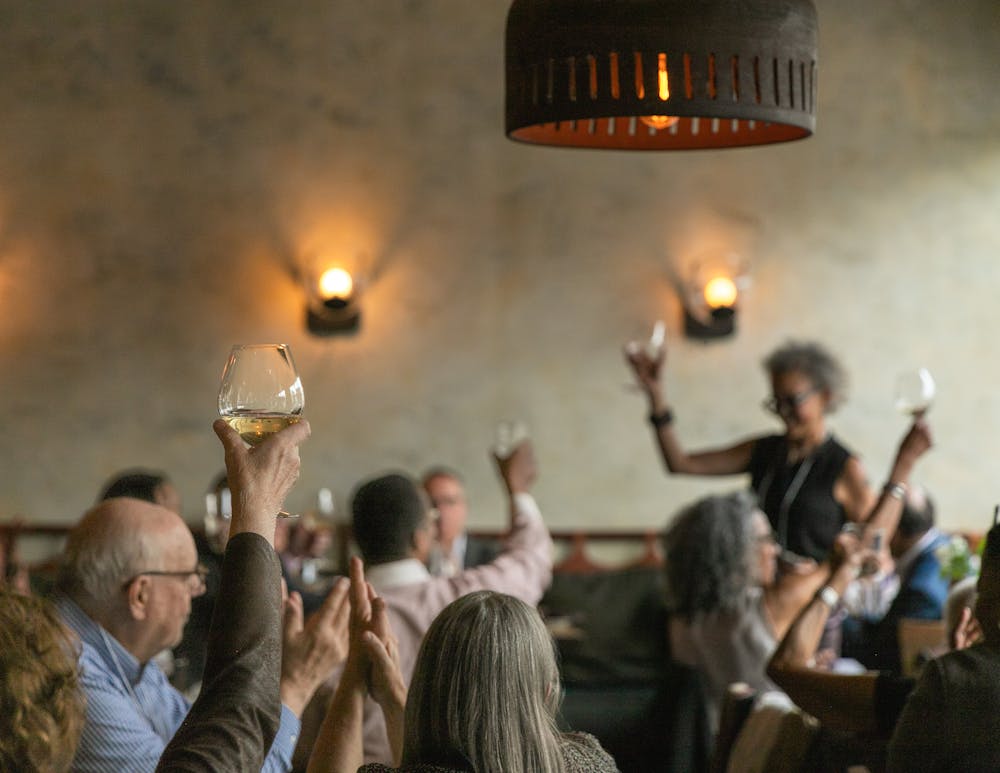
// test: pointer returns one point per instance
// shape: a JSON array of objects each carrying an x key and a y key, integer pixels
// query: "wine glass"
[
  {"x": 509, "y": 435},
  {"x": 261, "y": 392},
  {"x": 915, "y": 391}
]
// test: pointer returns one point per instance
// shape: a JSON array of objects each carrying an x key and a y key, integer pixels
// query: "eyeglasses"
[
  {"x": 787, "y": 403},
  {"x": 195, "y": 578}
]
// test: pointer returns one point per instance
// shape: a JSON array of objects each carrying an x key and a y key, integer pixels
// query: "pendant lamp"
[{"x": 660, "y": 74}]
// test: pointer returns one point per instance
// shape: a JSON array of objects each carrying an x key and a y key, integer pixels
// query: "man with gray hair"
[{"x": 129, "y": 572}]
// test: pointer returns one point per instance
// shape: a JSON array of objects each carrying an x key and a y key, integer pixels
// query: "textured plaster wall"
[{"x": 165, "y": 166}]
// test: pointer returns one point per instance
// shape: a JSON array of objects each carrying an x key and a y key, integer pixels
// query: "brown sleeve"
[{"x": 232, "y": 724}]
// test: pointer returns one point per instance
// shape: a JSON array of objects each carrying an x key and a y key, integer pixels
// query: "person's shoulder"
[
  {"x": 974, "y": 669},
  {"x": 837, "y": 450},
  {"x": 766, "y": 442},
  {"x": 583, "y": 752},
  {"x": 480, "y": 550},
  {"x": 94, "y": 671}
]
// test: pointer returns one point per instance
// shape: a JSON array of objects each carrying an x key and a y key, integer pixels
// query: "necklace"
[{"x": 805, "y": 465}]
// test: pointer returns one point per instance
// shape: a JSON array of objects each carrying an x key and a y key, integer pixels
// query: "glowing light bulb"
[
  {"x": 720, "y": 292},
  {"x": 336, "y": 283},
  {"x": 661, "y": 122}
]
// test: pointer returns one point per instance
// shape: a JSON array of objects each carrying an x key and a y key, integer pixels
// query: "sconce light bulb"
[
  {"x": 720, "y": 292},
  {"x": 336, "y": 283}
]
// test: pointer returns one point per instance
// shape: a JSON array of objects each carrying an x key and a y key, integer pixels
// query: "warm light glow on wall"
[
  {"x": 333, "y": 297},
  {"x": 336, "y": 283},
  {"x": 720, "y": 291},
  {"x": 714, "y": 290}
]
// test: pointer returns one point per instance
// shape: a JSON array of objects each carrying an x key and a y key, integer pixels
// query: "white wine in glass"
[
  {"x": 261, "y": 392},
  {"x": 254, "y": 426},
  {"x": 915, "y": 391}
]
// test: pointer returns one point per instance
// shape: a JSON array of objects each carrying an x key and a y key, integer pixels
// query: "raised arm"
[
  {"x": 885, "y": 515},
  {"x": 371, "y": 666},
  {"x": 648, "y": 371},
  {"x": 839, "y": 701},
  {"x": 237, "y": 714}
]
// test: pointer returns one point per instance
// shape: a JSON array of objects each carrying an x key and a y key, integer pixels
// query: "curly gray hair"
[
  {"x": 707, "y": 554},
  {"x": 814, "y": 361}
]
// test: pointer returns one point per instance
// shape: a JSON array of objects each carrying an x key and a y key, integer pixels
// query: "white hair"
[{"x": 103, "y": 551}]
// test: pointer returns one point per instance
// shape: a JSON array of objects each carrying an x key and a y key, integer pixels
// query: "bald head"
[{"x": 112, "y": 542}]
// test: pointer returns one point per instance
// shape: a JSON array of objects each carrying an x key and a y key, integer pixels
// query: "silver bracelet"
[
  {"x": 895, "y": 489},
  {"x": 829, "y": 596}
]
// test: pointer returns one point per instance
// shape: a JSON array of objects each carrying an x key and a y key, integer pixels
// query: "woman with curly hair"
[
  {"x": 41, "y": 708},
  {"x": 808, "y": 484},
  {"x": 728, "y": 605}
]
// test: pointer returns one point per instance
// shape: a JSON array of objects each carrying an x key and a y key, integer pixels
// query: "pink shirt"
[{"x": 414, "y": 598}]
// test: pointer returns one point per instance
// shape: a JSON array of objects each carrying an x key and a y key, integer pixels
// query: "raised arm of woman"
[
  {"x": 722, "y": 461},
  {"x": 853, "y": 491},
  {"x": 887, "y": 510}
]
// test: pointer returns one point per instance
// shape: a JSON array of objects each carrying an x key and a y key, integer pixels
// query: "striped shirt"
[{"x": 132, "y": 711}]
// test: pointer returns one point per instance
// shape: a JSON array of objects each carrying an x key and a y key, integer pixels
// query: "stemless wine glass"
[
  {"x": 509, "y": 435},
  {"x": 915, "y": 392},
  {"x": 261, "y": 392}
]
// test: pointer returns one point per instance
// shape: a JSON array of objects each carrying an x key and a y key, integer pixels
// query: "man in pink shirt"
[{"x": 394, "y": 534}]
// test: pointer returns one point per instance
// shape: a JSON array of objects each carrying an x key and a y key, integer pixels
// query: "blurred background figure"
[
  {"x": 210, "y": 542},
  {"x": 808, "y": 484},
  {"x": 728, "y": 605},
  {"x": 917, "y": 588},
  {"x": 148, "y": 485},
  {"x": 14, "y": 575},
  {"x": 950, "y": 722},
  {"x": 454, "y": 549}
]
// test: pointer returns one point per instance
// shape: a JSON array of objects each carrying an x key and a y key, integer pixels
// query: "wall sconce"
[
  {"x": 712, "y": 297},
  {"x": 333, "y": 300}
]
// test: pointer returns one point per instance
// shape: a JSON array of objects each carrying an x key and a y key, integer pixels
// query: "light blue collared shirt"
[{"x": 132, "y": 711}]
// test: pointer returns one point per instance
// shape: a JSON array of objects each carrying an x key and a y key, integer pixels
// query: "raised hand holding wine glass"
[
  {"x": 915, "y": 390},
  {"x": 261, "y": 392}
]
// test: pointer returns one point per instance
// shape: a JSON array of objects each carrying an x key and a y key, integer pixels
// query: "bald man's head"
[{"x": 112, "y": 542}]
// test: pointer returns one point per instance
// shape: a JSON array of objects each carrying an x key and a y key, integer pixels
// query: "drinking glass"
[
  {"x": 509, "y": 435},
  {"x": 261, "y": 392},
  {"x": 915, "y": 392}
]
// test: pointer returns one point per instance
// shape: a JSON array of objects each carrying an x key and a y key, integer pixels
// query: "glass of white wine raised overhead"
[
  {"x": 915, "y": 390},
  {"x": 261, "y": 392}
]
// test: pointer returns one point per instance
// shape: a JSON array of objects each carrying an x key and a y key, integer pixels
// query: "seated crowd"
[{"x": 432, "y": 656}]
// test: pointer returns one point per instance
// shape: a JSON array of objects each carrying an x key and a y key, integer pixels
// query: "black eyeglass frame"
[
  {"x": 777, "y": 405},
  {"x": 201, "y": 571}
]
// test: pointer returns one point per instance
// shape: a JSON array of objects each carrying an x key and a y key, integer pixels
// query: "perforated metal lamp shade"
[{"x": 584, "y": 73}]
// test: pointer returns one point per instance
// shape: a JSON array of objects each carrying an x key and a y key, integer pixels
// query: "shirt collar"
[
  {"x": 407, "y": 571},
  {"x": 458, "y": 549},
  {"x": 104, "y": 646},
  {"x": 906, "y": 560}
]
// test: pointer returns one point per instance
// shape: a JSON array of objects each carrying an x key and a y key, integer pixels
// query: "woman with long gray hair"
[
  {"x": 483, "y": 698},
  {"x": 728, "y": 605}
]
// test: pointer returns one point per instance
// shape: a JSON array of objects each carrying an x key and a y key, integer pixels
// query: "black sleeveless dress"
[{"x": 798, "y": 498}]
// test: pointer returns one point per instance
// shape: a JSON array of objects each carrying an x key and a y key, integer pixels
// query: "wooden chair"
[
  {"x": 736, "y": 707},
  {"x": 774, "y": 735},
  {"x": 919, "y": 640}
]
